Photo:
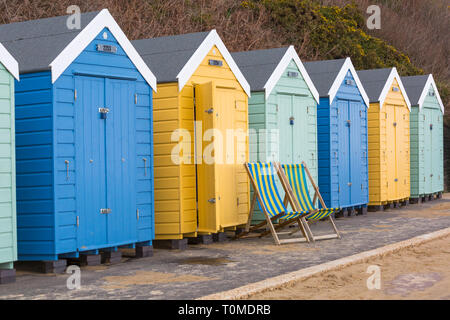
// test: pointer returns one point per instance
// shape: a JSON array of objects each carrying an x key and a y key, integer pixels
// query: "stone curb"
[{"x": 286, "y": 279}]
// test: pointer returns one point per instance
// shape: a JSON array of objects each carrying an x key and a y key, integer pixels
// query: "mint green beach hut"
[
  {"x": 427, "y": 138},
  {"x": 282, "y": 109},
  {"x": 9, "y": 71}
]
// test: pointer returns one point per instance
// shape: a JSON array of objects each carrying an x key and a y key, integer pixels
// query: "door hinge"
[
  {"x": 78, "y": 221},
  {"x": 137, "y": 214},
  {"x": 75, "y": 94},
  {"x": 105, "y": 211},
  {"x": 135, "y": 98},
  {"x": 237, "y": 201},
  {"x": 339, "y": 189}
]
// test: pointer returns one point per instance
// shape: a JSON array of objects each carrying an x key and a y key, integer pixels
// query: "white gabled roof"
[
  {"x": 103, "y": 20},
  {"x": 430, "y": 82},
  {"x": 393, "y": 75},
  {"x": 347, "y": 66},
  {"x": 196, "y": 59},
  {"x": 9, "y": 62},
  {"x": 290, "y": 55}
]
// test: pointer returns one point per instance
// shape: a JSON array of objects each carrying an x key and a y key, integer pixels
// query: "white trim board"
[
  {"x": 9, "y": 62},
  {"x": 348, "y": 65},
  {"x": 200, "y": 53},
  {"x": 393, "y": 75},
  {"x": 289, "y": 55},
  {"x": 426, "y": 88},
  {"x": 103, "y": 20}
]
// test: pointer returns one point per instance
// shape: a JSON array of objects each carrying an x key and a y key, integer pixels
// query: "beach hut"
[
  {"x": 282, "y": 109},
  {"x": 427, "y": 136},
  {"x": 389, "y": 154},
  {"x": 201, "y": 188},
  {"x": 83, "y": 139},
  {"x": 9, "y": 71},
  {"x": 342, "y": 135}
]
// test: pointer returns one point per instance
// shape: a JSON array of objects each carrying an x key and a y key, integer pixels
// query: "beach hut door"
[
  {"x": 206, "y": 149},
  {"x": 105, "y": 162},
  {"x": 345, "y": 183}
]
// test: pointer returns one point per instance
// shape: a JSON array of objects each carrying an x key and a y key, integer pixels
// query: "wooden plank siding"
[
  {"x": 379, "y": 176},
  {"x": 175, "y": 184},
  {"x": 8, "y": 234},
  {"x": 48, "y": 205},
  {"x": 265, "y": 117}
]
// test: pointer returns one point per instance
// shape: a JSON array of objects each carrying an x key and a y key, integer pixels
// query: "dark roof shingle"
[
  {"x": 166, "y": 56},
  {"x": 414, "y": 86},
  {"x": 258, "y": 65},
  {"x": 323, "y": 73},
  {"x": 36, "y": 43},
  {"x": 374, "y": 81}
]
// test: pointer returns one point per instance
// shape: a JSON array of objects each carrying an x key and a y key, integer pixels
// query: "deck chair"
[
  {"x": 262, "y": 177},
  {"x": 293, "y": 180}
]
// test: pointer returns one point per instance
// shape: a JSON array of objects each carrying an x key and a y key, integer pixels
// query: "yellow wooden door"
[
  {"x": 207, "y": 195},
  {"x": 402, "y": 148},
  {"x": 227, "y": 208},
  {"x": 391, "y": 163}
]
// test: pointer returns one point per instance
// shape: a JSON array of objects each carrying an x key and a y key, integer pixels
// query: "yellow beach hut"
[
  {"x": 389, "y": 139},
  {"x": 200, "y": 138}
]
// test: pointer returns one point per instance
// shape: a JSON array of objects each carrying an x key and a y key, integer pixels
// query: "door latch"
[
  {"x": 348, "y": 122},
  {"x": 395, "y": 124},
  {"x": 105, "y": 211},
  {"x": 212, "y": 200},
  {"x": 349, "y": 184},
  {"x": 103, "y": 112},
  {"x": 209, "y": 111},
  {"x": 291, "y": 121}
]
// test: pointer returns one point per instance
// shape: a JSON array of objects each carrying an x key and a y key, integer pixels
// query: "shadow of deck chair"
[
  {"x": 262, "y": 177},
  {"x": 293, "y": 180}
]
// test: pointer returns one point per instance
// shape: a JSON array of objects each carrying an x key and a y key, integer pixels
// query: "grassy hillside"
[{"x": 411, "y": 38}]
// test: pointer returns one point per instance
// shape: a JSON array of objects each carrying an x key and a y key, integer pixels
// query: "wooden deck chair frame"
[
  {"x": 296, "y": 206},
  {"x": 269, "y": 222}
]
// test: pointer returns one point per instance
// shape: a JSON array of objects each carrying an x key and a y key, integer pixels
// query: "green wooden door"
[
  {"x": 437, "y": 151},
  {"x": 285, "y": 113},
  {"x": 427, "y": 149}
]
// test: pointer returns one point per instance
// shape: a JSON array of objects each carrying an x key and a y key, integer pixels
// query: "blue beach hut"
[
  {"x": 342, "y": 135},
  {"x": 83, "y": 138}
]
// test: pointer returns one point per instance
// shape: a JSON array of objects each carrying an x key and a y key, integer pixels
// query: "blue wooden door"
[
  {"x": 105, "y": 162},
  {"x": 121, "y": 161},
  {"x": 90, "y": 163},
  {"x": 356, "y": 157},
  {"x": 344, "y": 122}
]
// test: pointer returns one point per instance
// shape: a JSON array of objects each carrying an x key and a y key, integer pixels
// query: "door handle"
[
  {"x": 212, "y": 200},
  {"x": 67, "y": 169},
  {"x": 209, "y": 111},
  {"x": 145, "y": 166}
]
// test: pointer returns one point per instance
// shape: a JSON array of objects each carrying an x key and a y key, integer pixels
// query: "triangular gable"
[
  {"x": 9, "y": 62},
  {"x": 347, "y": 66},
  {"x": 103, "y": 20},
  {"x": 426, "y": 88},
  {"x": 212, "y": 39},
  {"x": 393, "y": 75},
  {"x": 290, "y": 54}
]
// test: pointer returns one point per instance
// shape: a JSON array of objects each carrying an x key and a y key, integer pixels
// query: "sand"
[{"x": 422, "y": 272}]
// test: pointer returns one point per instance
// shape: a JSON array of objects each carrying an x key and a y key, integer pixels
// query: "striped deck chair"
[
  {"x": 262, "y": 177},
  {"x": 293, "y": 180}
]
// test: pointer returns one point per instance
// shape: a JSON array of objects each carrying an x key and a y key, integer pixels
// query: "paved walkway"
[{"x": 206, "y": 269}]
